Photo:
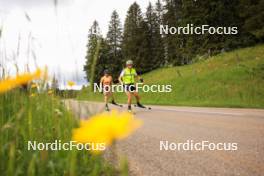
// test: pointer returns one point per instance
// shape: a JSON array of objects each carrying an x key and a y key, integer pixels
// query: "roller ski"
[
  {"x": 114, "y": 103},
  {"x": 107, "y": 108},
  {"x": 138, "y": 105},
  {"x": 129, "y": 109}
]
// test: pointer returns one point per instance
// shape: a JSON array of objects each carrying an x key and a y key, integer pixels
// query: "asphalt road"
[{"x": 245, "y": 127}]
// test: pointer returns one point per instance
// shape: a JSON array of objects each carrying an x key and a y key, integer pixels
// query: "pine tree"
[
  {"x": 134, "y": 38},
  {"x": 102, "y": 60},
  {"x": 195, "y": 13},
  {"x": 143, "y": 43},
  {"x": 253, "y": 14},
  {"x": 114, "y": 40},
  {"x": 114, "y": 35},
  {"x": 159, "y": 12},
  {"x": 174, "y": 43},
  {"x": 94, "y": 38},
  {"x": 155, "y": 48},
  {"x": 222, "y": 13},
  {"x": 181, "y": 48},
  {"x": 160, "y": 20}
]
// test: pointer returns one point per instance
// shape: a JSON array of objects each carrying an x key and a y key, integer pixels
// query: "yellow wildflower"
[
  {"x": 10, "y": 83},
  {"x": 105, "y": 128},
  {"x": 32, "y": 95},
  {"x": 34, "y": 85},
  {"x": 50, "y": 92},
  {"x": 71, "y": 83}
]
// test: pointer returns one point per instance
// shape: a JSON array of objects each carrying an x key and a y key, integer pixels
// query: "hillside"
[{"x": 232, "y": 79}]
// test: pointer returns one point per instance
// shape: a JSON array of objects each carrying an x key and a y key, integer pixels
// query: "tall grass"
[
  {"x": 41, "y": 118},
  {"x": 38, "y": 116}
]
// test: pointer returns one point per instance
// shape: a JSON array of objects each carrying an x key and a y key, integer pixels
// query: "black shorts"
[
  {"x": 106, "y": 90},
  {"x": 130, "y": 87}
]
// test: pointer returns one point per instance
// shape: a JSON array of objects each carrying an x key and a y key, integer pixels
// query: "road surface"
[{"x": 244, "y": 127}]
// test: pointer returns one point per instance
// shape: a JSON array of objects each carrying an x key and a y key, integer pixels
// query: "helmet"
[
  {"x": 129, "y": 62},
  {"x": 106, "y": 71}
]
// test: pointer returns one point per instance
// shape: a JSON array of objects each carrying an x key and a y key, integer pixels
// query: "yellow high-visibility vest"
[{"x": 129, "y": 76}]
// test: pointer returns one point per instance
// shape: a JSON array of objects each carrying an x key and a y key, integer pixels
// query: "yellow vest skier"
[{"x": 128, "y": 78}]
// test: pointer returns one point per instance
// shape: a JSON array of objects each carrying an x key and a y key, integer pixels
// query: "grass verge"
[{"x": 232, "y": 79}]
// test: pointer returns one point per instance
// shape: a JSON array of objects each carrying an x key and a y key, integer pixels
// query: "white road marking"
[{"x": 201, "y": 112}]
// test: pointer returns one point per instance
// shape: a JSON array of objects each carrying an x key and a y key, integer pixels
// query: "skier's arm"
[
  {"x": 120, "y": 77},
  {"x": 101, "y": 81},
  {"x": 120, "y": 80},
  {"x": 138, "y": 78}
]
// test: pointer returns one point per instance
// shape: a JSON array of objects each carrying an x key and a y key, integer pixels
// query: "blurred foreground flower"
[
  {"x": 10, "y": 83},
  {"x": 71, "y": 83},
  {"x": 106, "y": 127},
  {"x": 50, "y": 92},
  {"x": 34, "y": 85},
  {"x": 32, "y": 95}
]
